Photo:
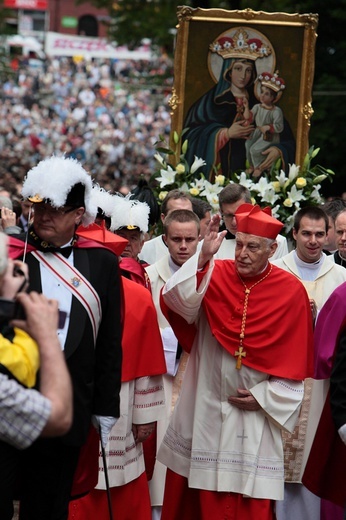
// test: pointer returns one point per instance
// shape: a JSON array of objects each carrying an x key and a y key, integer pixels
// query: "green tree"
[
  {"x": 133, "y": 20},
  {"x": 5, "y": 30}
]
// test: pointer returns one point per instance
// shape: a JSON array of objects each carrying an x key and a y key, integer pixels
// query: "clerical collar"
[
  {"x": 172, "y": 265},
  {"x": 229, "y": 236},
  {"x": 43, "y": 245},
  {"x": 308, "y": 270},
  {"x": 340, "y": 260},
  {"x": 253, "y": 279}
]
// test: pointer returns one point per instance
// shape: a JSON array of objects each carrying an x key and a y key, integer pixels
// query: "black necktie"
[{"x": 65, "y": 251}]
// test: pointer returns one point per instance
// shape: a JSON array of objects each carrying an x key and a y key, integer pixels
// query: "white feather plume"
[
  {"x": 130, "y": 212},
  {"x": 53, "y": 179}
]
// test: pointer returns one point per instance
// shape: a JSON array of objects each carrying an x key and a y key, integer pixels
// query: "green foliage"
[{"x": 5, "y": 30}]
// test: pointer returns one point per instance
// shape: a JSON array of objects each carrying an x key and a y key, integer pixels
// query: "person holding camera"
[{"x": 28, "y": 341}]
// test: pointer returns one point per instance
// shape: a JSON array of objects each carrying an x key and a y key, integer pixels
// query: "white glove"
[
  {"x": 342, "y": 433},
  {"x": 103, "y": 425}
]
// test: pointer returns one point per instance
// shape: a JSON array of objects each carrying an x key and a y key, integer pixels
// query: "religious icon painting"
[{"x": 234, "y": 69}]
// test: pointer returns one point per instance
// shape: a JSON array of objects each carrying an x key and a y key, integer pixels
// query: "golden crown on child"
[{"x": 272, "y": 81}]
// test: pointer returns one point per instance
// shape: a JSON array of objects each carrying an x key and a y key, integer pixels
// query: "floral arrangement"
[{"x": 284, "y": 193}]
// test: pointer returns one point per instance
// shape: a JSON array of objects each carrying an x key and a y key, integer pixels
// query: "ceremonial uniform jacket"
[{"x": 95, "y": 369}]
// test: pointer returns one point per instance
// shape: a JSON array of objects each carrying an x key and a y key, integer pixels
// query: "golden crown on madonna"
[{"x": 240, "y": 46}]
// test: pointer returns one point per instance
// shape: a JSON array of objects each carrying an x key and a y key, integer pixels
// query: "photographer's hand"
[
  {"x": 15, "y": 279},
  {"x": 41, "y": 317},
  {"x": 55, "y": 383}
]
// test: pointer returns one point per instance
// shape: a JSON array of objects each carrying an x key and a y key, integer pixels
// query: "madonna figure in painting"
[{"x": 216, "y": 127}]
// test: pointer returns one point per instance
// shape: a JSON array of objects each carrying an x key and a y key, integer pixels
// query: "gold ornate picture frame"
[{"x": 201, "y": 45}]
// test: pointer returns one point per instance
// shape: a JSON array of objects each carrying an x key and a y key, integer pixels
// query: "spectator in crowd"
[
  {"x": 25, "y": 215},
  {"x": 26, "y": 344},
  {"x": 8, "y": 217},
  {"x": 114, "y": 135}
]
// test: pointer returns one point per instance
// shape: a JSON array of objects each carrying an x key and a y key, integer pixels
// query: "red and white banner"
[
  {"x": 66, "y": 45},
  {"x": 36, "y": 5}
]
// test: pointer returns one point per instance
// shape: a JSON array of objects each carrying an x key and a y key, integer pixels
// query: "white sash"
[{"x": 76, "y": 283}]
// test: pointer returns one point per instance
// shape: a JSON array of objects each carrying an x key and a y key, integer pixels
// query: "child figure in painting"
[{"x": 269, "y": 120}]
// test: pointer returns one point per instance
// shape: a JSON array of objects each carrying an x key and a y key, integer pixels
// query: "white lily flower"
[
  {"x": 184, "y": 187},
  {"x": 167, "y": 177},
  {"x": 289, "y": 223},
  {"x": 281, "y": 178},
  {"x": 197, "y": 163},
  {"x": 315, "y": 194},
  {"x": 210, "y": 189},
  {"x": 295, "y": 195},
  {"x": 270, "y": 197},
  {"x": 198, "y": 184},
  {"x": 275, "y": 211},
  {"x": 293, "y": 171},
  {"x": 262, "y": 186},
  {"x": 160, "y": 159},
  {"x": 245, "y": 181},
  {"x": 213, "y": 200}
]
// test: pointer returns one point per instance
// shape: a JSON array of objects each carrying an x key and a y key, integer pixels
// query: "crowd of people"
[
  {"x": 194, "y": 380},
  {"x": 108, "y": 114}
]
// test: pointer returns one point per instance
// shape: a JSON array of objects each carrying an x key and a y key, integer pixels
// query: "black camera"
[{"x": 10, "y": 310}]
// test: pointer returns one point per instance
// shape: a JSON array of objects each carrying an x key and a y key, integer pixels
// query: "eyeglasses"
[
  {"x": 228, "y": 216},
  {"x": 52, "y": 212}
]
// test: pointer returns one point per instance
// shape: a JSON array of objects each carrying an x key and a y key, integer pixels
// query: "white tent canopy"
[{"x": 28, "y": 43}]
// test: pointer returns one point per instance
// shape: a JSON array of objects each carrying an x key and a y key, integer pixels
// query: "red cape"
[
  {"x": 135, "y": 271},
  {"x": 100, "y": 234},
  {"x": 142, "y": 345},
  {"x": 279, "y": 332}
]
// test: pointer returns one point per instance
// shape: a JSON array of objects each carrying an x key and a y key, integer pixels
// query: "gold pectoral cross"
[{"x": 240, "y": 353}]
